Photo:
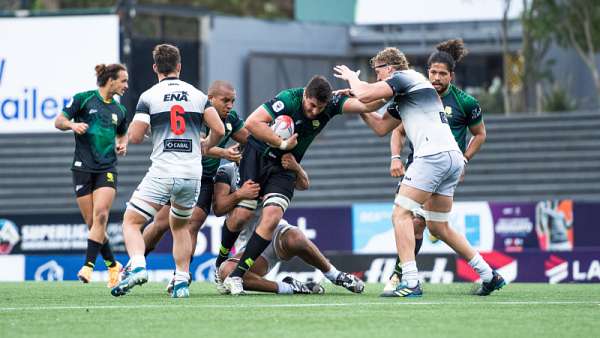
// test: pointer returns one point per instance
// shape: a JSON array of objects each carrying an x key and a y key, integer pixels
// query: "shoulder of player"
[
  {"x": 467, "y": 101},
  {"x": 85, "y": 96}
]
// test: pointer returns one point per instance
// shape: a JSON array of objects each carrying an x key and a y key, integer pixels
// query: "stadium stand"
[{"x": 525, "y": 158}]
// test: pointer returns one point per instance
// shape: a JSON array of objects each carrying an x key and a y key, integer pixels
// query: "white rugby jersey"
[
  {"x": 175, "y": 109},
  {"x": 420, "y": 108}
]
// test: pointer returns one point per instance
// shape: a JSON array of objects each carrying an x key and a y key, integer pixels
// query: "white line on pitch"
[{"x": 227, "y": 306}]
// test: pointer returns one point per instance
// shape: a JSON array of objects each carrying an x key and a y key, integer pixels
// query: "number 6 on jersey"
[{"x": 177, "y": 120}]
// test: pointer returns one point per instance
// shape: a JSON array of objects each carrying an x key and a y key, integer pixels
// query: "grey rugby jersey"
[{"x": 420, "y": 108}]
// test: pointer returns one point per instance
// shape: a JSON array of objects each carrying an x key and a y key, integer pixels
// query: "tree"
[
  {"x": 536, "y": 43},
  {"x": 505, "y": 58},
  {"x": 574, "y": 24}
]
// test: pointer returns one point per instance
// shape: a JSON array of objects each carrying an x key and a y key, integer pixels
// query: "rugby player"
[
  {"x": 463, "y": 113},
  {"x": 311, "y": 108},
  {"x": 175, "y": 111},
  {"x": 430, "y": 181},
  {"x": 99, "y": 124},
  {"x": 288, "y": 241}
]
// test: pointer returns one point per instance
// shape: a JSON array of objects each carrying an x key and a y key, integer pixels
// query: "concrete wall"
[{"x": 227, "y": 43}]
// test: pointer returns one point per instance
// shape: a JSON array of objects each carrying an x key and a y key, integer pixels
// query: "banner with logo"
[
  {"x": 373, "y": 232},
  {"x": 539, "y": 267},
  {"x": 545, "y": 225},
  {"x": 44, "y": 61},
  {"x": 65, "y": 267},
  {"x": 553, "y": 225},
  {"x": 370, "y": 268},
  {"x": 43, "y": 234}
]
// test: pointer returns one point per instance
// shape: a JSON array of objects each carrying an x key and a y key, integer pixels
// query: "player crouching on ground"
[{"x": 288, "y": 241}]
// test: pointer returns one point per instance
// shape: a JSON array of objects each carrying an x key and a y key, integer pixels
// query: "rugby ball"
[{"x": 283, "y": 126}]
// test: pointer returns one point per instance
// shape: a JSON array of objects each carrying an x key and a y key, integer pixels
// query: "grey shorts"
[
  {"x": 181, "y": 191},
  {"x": 437, "y": 174}
]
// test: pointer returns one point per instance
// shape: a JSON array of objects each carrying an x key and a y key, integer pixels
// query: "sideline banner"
[
  {"x": 42, "y": 234},
  {"x": 65, "y": 267},
  {"x": 553, "y": 225},
  {"x": 44, "y": 61},
  {"x": 373, "y": 232}
]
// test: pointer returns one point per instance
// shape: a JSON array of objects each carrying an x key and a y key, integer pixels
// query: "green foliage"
[
  {"x": 490, "y": 99},
  {"x": 267, "y": 9},
  {"x": 558, "y": 100},
  {"x": 568, "y": 21}
]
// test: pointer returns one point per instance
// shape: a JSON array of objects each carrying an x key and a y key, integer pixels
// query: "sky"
[{"x": 413, "y": 11}]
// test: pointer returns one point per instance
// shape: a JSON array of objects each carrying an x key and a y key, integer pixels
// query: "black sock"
[
  {"x": 148, "y": 251},
  {"x": 256, "y": 245},
  {"x": 398, "y": 266},
  {"x": 107, "y": 255},
  {"x": 418, "y": 243},
  {"x": 91, "y": 253},
  {"x": 228, "y": 239}
]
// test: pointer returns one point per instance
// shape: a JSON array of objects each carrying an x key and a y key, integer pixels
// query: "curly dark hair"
[{"x": 448, "y": 52}]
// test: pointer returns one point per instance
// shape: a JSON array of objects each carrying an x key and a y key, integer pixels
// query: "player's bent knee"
[
  {"x": 142, "y": 208},
  {"x": 275, "y": 199},
  {"x": 293, "y": 241}
]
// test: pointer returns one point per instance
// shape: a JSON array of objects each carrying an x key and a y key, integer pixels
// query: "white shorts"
[
  {"x": 437, "y": 174},
  {"x": 181, "y": 191}
]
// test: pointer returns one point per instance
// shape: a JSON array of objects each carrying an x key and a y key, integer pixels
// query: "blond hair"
[{"x": 391, "y": 56}]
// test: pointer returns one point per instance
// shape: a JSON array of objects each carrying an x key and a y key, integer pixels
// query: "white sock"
[
  {"x": 181, "y": 276},
  {"x": 284, "y": 288},
  {"x": 482, "y": 268},
  {"x": 332, "y": 274},
  {"x": 138, "y": 261},
  {"x": 410, "y": 274}
]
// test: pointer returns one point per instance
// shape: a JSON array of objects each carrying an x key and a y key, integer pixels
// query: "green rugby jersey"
[
  {"x": 463, "y": 111},
  {"x": 289, "y": 102},
  {"x": 232, "y": 124},
  {"x": 95, "y": 150}
]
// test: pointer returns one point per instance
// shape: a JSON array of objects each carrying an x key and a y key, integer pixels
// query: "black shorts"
[
  {"x": 267, "y": 172},
  {"x": 85, "y": 183},
  {"x": 207, "y": 189}
]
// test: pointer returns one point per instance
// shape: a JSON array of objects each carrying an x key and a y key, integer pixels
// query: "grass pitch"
[{"x": 71, "y": 309}]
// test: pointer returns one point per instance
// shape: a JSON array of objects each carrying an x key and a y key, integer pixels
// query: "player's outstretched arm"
[
  {"x": 258, "y": 125},
  {"x": 217, "y": 130},
  {"x": 352, "y": 105},
  {"x": 363, "y": 91},
  {"x": 381, "y": 125},
  {"x": 138, "y": 127}
]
